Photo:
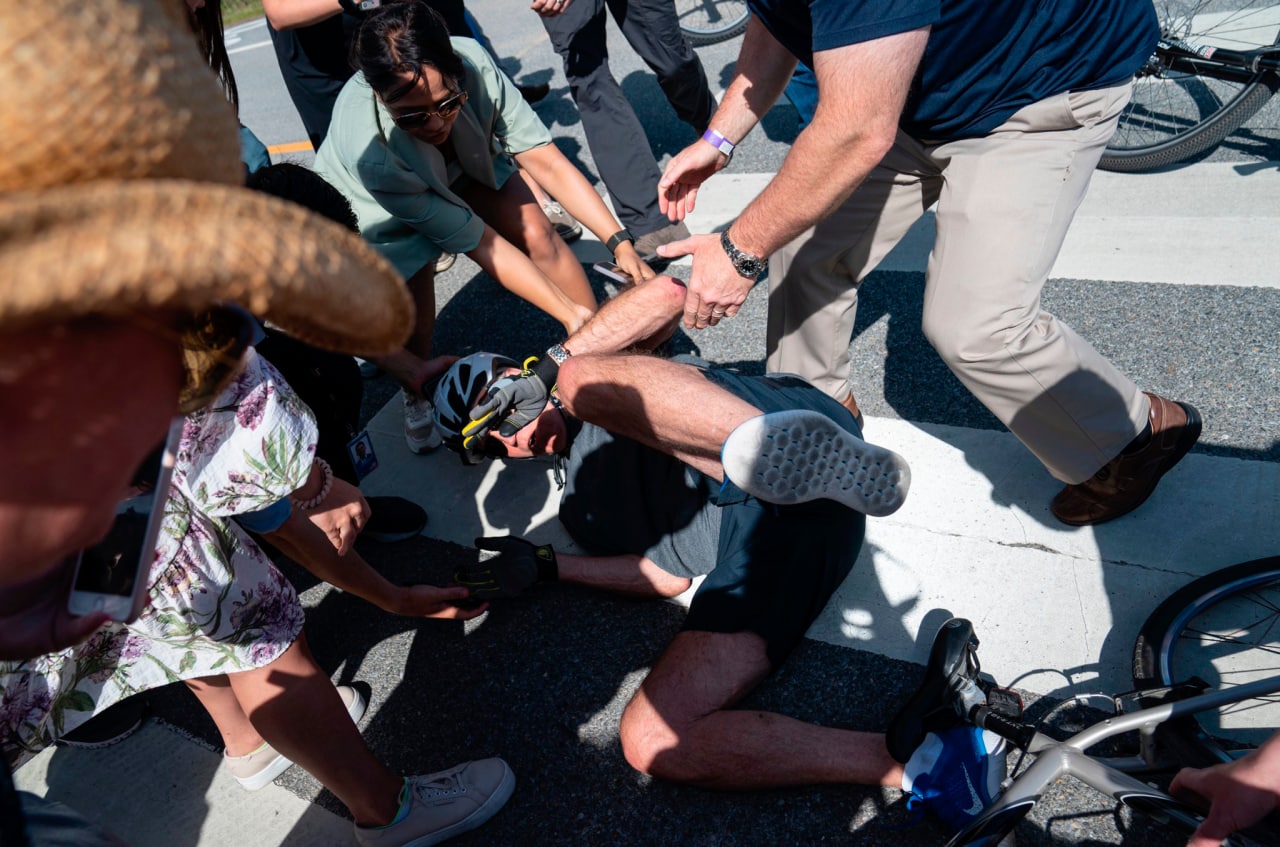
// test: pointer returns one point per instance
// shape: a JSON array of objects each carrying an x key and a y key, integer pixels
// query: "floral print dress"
[{"x": 217, "y": 604}]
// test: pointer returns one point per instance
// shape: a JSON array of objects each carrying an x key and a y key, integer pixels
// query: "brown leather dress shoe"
[
  {"x": 852, "y": 405},
  {"x": 1127, "y": 481}
]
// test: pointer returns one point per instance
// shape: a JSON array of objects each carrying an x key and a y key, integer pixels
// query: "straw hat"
[{"x": 119, "y": 189}]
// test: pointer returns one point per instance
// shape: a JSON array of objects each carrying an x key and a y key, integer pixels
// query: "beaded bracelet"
[{"x": 324, "y": 489}]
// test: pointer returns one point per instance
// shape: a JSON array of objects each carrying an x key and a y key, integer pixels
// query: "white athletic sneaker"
[
  {"x": 255, "y": 770},
  {"x": 420, "y": 431},
  {"x": 798, "y": 455},
  {"x": 442, "y": 805}
]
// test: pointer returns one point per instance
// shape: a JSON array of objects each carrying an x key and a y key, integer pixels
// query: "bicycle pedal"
[{"x": 1005, "y": 702}]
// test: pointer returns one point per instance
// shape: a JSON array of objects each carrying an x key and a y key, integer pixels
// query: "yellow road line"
[{"x": 291, "y": 147}]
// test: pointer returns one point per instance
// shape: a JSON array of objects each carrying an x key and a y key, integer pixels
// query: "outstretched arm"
[
  {"x": 760, "y": 75},
  {"x": 307, "y": 544},
  {"x": 862, "y": 90}
]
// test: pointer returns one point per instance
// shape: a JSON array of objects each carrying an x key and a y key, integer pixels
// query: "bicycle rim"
[
  {"x": 1175, "y": 114},
  {"x": 1225, "y": 629},
  {"x": 712, "y": 21}
]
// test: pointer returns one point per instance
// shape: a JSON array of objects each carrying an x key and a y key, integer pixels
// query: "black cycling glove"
[
  {"x": 516, "y": 565},
  {"x": 516, "y": 400}
]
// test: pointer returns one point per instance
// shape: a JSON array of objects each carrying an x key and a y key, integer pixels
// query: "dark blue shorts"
[{"x": 776, "y": 566}]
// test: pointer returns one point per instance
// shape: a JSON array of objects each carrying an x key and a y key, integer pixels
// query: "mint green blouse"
[{"x": 400, "y": 186}]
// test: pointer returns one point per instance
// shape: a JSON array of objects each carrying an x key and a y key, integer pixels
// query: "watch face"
[{"x": 748, "y": 266}]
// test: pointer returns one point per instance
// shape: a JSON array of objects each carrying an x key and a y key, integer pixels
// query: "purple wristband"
[{"x": 719, "y": 142}]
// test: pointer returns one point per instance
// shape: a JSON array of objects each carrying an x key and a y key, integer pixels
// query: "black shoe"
[
  {"x": 115, "y": 724},
  {"x": 393, "y": 519}
]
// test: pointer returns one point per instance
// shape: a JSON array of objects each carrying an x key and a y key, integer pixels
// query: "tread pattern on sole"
[{"x": 798, "y": 455}]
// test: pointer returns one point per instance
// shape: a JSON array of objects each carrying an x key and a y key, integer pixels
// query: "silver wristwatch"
[
  {"x": 744, "y": 263},
  {"x": 557, "y": 353}
]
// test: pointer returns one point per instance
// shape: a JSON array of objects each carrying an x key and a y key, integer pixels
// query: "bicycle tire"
[
  {"x": 1175, "y": 115},
  {"x": 706, "y": 22},
  {"x": 1225, "y": 628}
]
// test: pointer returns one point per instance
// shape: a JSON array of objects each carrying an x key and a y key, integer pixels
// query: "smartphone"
[
  {"x": 613, "y": 271},
  {"x": 112, "y": 576}
]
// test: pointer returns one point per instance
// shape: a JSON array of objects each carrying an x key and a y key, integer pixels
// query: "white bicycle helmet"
[{"x": 459, "y": 390}]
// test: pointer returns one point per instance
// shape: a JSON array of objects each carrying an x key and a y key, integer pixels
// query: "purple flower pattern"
[{"x": 215, "y": 596}]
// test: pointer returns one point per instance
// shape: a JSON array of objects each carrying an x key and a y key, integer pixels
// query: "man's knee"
[
  {"x": 652, "y": 745},
  {"x": 964, "y": 339}
]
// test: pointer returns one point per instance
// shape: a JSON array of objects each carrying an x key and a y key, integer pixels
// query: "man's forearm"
[
  {"x": 761, "y": 73},
  {"x": 862, "y": 91}
]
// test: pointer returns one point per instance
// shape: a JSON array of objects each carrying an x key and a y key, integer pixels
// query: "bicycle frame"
[{"x": 1110, "y": 776}]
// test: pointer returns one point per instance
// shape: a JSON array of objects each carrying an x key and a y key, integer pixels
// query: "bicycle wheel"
[
  {"x": 1225, "y": 629},
  {"x": 1177, "y": 111},
  {"x": 712, "y": 21}
]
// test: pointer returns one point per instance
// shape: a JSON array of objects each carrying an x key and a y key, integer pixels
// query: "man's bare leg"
[
  {"x": 665, "y": 405},
  {"x": 680, "y": 725}
]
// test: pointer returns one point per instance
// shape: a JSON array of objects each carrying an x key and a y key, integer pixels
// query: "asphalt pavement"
[{"x": 1174, "y": 276}]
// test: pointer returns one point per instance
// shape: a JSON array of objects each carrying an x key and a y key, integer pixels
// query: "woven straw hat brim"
[{"x": 114, "y": 248}]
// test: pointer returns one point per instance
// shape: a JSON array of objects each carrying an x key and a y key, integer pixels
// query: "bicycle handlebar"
[{"x": 1017, "y": 732}]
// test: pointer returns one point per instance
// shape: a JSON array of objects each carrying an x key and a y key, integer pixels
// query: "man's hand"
[
  {"x": 1240, "y": 793},
  {"x": 432, "y": 601},
  {"x": 692, "y": 166},
  {"x": 549, "y": 8},
  {"x": 341, "y": 515},
  {"x": 514, "y": 400},
  {"x": 517, "y": 565},
  {"x": 715, "y": 290}
]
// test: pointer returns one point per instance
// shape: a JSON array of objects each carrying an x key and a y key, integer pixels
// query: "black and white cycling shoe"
[{"x": 799, "y": 455}]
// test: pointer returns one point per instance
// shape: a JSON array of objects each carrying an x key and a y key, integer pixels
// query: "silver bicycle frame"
[{"x": 1055, "y": 759}]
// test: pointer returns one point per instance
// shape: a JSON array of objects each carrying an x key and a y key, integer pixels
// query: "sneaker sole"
[
  {"x": 481, "y": 815},
  {"x": 798, "y": 455},
  {"x": 282, "y": 763}
]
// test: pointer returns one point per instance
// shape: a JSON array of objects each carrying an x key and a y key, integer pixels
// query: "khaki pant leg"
[
  {"x": 813, "y": 281},
  {"x": 1007, "y": 201}
]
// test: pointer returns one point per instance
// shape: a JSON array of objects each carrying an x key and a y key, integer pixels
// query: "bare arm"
[
  {"x": 550, "y": 169},
  {"x": 287, "y": 14},
  {"x": 862, "y": 90},
  {"x": 633, "y": 575},
  {"x": 760, "y": 75},
  {"x": 640, "y": 317},
  {"x": 307, "y": 545},
  {"x": 517, "y": 273}
]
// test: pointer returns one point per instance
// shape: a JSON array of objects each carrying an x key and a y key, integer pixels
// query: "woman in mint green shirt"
[{"x": 424, "y": 141}]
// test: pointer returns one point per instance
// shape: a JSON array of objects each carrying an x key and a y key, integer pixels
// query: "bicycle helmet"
[{"x": 457, "y": 393}]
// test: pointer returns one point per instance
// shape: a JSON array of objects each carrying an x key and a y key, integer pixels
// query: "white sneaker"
[
  {"x": 798, "y": 455},
  {"x": 442, "y": 805},
  {"x": 420, "y": 431},
  {"x": 255, "y": 770}
]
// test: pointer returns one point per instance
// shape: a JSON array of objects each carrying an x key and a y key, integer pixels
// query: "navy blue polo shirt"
[{"x": 985, "y": 59}]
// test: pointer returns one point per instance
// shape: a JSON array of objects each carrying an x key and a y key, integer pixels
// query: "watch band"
[
  {"x": 746, "y": 264},
  {"x": 558, "y": 353},
  {"x": 719, "y": 142},
  {"x": 618, "y": 237}
]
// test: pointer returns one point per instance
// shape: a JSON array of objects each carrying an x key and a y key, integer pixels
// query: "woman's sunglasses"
[{"x": 447, "y": 109}]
